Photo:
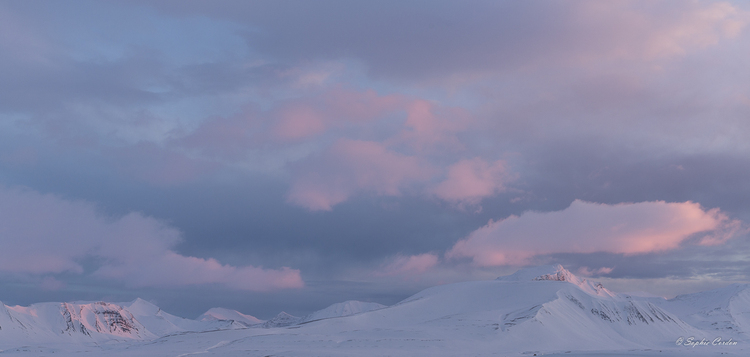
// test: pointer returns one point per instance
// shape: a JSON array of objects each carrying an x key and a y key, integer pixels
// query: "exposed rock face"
[{"x": 100, "y": 317}]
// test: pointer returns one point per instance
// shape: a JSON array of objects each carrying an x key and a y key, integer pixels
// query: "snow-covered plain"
[{"x": 537, "y": 311}]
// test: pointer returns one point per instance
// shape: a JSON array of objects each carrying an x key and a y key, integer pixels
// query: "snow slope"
[
  {"x": 74, "y": 322},
  {"x": 547, "y": 307},
  {"x": 222, "y": 314},
  {"x": 161, "y": 323},
  {"x": 281, "y": 320},
  {"x": 342, "y": 309},
  {"x": 97, "y": 322},
  {"x": 725, "y": 310},
  {"x": 543, "y": 310}
]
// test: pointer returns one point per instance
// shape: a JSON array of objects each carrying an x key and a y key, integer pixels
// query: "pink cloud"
[
  {"x": 44, "y": 234},
  {"x": 337, "y": 107},
  {"x": 468, "y": 181},
  {"x": 729, "y": 230},
  {"x": 347, "y": 167},
  {"x": 172, "y": 269},
  {"x": 429, "y": 127},
  {"x": 585, "y": 227},
  {"x": 356, "y": 106},
  {"x": 698, "y": 27},
  {"x": 350, "y": 166},
  {"x": 296, "y": 122},
  {"x": 409, "y": 265},
  {"x": 658, "y": 30},
  {"x": 293, "y": 120},
  {"x": 292, "y": 131}
]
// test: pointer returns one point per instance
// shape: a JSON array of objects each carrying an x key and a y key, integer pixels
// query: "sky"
[{"x": 287, "y": 155}]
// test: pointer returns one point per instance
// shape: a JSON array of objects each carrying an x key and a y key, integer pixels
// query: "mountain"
[
  {"x": 161, "y": 323},
  {"x": 222, "y": 314},
  {"x": 281, "y": 320},
  {"x": 536, "y": 311},
  {"x": 725, "y": 310},
  {"x": 556, "y": 273},
  {"x": 342, "y": 309},
  {"x": 547, "y": 307},
  {"x": 95, "y": 322}
]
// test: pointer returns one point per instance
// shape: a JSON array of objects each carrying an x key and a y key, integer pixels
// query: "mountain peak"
[
  {"x": 544, "y": 272},
  {"x": 281, "y": 320},
  {"x": 555, "y": 273},
  {"x": 142, "y": 307},
  {"x": 284, "y": 315}
]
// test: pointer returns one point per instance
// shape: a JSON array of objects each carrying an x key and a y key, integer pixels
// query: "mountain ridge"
[{"x": 547, "y": 307}]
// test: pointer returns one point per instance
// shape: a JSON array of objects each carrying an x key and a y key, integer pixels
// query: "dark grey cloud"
[
  {"x": 436, "y": 39},
  {"x": 578, "y": 101},
  {"x": 414, "y": 39}
]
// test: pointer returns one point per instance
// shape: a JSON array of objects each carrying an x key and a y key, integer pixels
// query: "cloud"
[
  {"x": 226, "y": 138},
  {"x": 468, "y": 181},
  {"x": 157, "y": 165},
  {"x": 332, "y": 108},
  {"x": 286, "y": 123},
  {"x": 355, "y": 165},
  {"x": 585, "y": 227},
  {"x": 697, "y": 27},
  {"x": 171, "y": 269},
  {"x": 19, "y": 41},
  {"x": 51, "y": 284},
  {"x": 328, "y": 101},
  {"x": 586, "y": 271},
  {"x": 414, "y": 156},
  {"x": 431, "y": 128},
  {"x": 298, "y": 122},
  {"x": 45, "y": 234},
  {"x": 447, "y": 39},
  {"x": 409, "y": 265},
  {"x": 350, "y": 167}
]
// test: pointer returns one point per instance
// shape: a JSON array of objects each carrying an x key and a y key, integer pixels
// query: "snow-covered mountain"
[
  {"x": 547, "y": 307},
  {"x": 342, "y": 309},
  {"x": 222, "y": 314},
  {"x": 556, "y": 273},
  {"x": 58, "y": 322},
  {"x": 161, "y": 323},
  {"x": 542, "y": 310},
  {"x": 725, "y": 310},
  {"x": 281, "y": 320},
  {"x": 95, "y": 322}
]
